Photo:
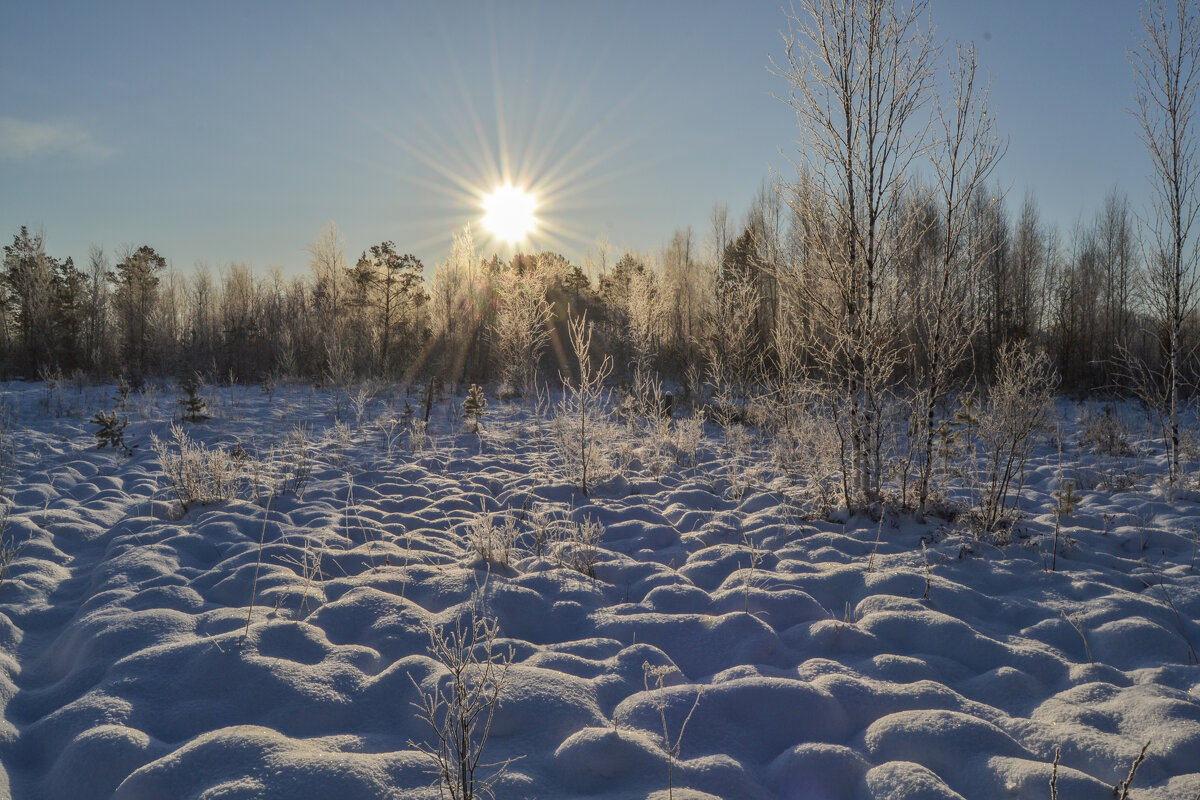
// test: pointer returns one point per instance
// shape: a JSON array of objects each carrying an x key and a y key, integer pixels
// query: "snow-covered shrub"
[
  {"x": 580, "y": 545},
  {"x": 493, "y": 541},
  {"x": 418, "y": 435},
  {"x": 360, "y": 401},
  {"x": 805, "y": 448},
  {"x": 1019, "y": 406},
  {"x": 295, "y": 458},
  {"x": 1104, "y": 432},
  {"x": 687, "y": 434},
  {"x": 544, "y": 530},
  {"x": 9, "y": 550},
  {"x": 197, "y": 474}
]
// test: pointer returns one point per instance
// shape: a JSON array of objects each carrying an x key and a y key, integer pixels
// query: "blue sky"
[{"x": 219, "y": 132}]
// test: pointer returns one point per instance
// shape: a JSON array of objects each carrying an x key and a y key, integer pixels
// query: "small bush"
[
  {"x": 460, "y": 707},
  {"x": 197, "y": 474},
  {"x": 1104, "y": 432},
  {"x": 1020, "y": 405},
  {"x": 580, "y": 547},
  {"x": 494, "y": 543}
]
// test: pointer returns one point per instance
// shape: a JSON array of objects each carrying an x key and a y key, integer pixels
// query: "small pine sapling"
[
  {"x": 194, "y": 406},
  {"x": 111, "y": 431},
  {"x": 473, "y": 406},
  {"x": 123, "y": 390}
]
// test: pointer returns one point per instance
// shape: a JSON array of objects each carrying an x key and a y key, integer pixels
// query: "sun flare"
[{"x": 508, "y": 213}]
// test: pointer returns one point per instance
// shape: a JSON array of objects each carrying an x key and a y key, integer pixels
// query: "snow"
[{"x": 817, "y": 657}]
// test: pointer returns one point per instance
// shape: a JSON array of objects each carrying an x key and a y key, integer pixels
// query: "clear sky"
[{"x": 219, "y": 132}]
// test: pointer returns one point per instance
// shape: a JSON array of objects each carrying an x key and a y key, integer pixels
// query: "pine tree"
[
  {"x": 194, "y": 406},
  {"x": 473, "y": 406}
]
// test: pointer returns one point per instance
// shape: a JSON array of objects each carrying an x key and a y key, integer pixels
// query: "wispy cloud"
[{"x": 23, "y": 140}]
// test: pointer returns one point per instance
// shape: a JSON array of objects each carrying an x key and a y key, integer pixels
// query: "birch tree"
[
  {"x": 1165, "y": 70},
  {"x": 860, "y": 73},
  {"x": 965, "y": 151}
]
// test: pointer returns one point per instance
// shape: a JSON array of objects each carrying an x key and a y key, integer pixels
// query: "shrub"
[
  {"x": 1020, "y": 405},
  {"x": 1104, "y": 432},
  {"x": 493, "y": 542},
  {"x": 197, "y": 474}
]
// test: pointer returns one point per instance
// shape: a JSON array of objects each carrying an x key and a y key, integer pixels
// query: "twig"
[
  {"x": 262, "y": 537},
  {"x": 1054, "y": 774},
  {"x": 1123, "y": 787}
]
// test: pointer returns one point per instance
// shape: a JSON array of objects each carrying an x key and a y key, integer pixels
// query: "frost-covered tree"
[
  {"x": 1166, "y": 68},
  {"x": 859, "y": 73},
  {"x": 965, "y": 151},
  {"x": 521, "y": 327}
]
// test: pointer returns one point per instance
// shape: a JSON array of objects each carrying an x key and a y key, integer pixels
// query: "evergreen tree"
[{"x": 136, "y": 281}]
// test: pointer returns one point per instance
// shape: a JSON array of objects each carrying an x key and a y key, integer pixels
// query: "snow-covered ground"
[{"x": 830, "y": 659}]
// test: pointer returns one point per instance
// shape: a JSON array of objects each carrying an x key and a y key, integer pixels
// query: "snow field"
[{"x": 831, "y": 659}]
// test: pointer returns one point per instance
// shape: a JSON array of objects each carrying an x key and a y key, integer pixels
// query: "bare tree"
[
  {"x": 95, "y": 333},
  {"x": 859, "y": 72},
  {"x": 1165, "y": 68},
  {"x": 1115, "y": 246},
  {"x": 331, "y": 287},
  {"x": 966, "y": 150}
]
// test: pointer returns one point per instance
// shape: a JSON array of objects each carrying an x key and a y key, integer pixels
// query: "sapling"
[
  {"x": 756, "y": 558},
  {"x": 194, "y": 406},
  {"x": 111, "y": 431},
  {"x": 1019, "y": 405},
  {"x": 928, "y": 572},
  {"x": 473, "y": 406},
  {"x": 123, "y": 390},
  {"x": 580, "y": 423},
  {"x": 460, "y": 714}
]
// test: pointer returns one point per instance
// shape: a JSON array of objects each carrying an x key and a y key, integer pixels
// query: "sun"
[{"x": 508, "y": 213}]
